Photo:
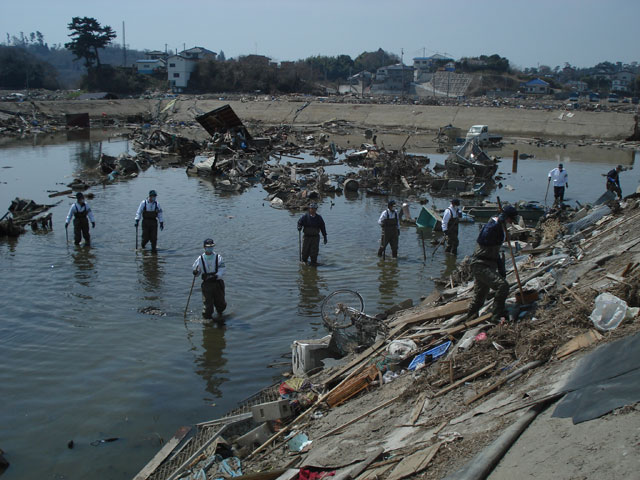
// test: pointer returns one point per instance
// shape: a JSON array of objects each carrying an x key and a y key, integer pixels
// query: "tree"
[
  {"x": 221, "y": 56},
  {"x": 87, "y": 37}
]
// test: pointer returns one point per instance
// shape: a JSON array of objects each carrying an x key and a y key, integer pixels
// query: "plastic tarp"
[{"x": 606, "y": 379}]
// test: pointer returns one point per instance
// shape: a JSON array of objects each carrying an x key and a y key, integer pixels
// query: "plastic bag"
[{"x": 608, "y": 312}]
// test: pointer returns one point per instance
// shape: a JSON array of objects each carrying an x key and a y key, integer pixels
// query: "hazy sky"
[{"x": 528, "y": 33}]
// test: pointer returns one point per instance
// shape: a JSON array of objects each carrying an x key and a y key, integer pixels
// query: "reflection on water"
[
  {"x": 311, "y": 284},
  {"x": 387, "y": 282},
  {"x": 211, "y": 361},
  {"x": 84, "y": 262},
  {"x": 152, "y": 269}
]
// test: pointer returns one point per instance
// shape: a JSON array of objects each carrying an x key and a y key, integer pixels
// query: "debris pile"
[{"x": 23, "y": 212}]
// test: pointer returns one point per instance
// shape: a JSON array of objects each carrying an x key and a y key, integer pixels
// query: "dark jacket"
[
  {"x": 312, "y": 226},
  {"x": 489, "y": 243}
]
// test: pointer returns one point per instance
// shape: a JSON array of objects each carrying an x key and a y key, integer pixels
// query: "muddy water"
[{"x": 81, "y": 363}]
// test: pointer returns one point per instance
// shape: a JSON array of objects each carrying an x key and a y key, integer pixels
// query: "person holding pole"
[
  {"x": 82, "y": 215},
  {"x": 560, "y": 179},
  {"x": 212, "y": 268},
  {"x": 450, "y": 221},
  {"x": 488, "y": 266},
  {"x": 151, "y": 213},
  {"x": 613, "y": 181},
  {"x": 312, "y": 225},
  {"x": 390, "y": 222}
]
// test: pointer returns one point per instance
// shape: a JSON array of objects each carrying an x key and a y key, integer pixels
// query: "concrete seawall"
[{"x": 504, "y": 121}]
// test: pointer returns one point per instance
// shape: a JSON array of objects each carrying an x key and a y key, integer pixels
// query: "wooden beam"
[
  {"x": 465, "y": 379},
  {"x": 164, "y": 452},
  {"x": 447, "y": 310}
]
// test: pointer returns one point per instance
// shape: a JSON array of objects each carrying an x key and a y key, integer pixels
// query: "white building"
[{"x": 181, "y": 66}]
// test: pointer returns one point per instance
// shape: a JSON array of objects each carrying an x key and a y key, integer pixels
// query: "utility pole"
[{"x": 124, "y": 45}]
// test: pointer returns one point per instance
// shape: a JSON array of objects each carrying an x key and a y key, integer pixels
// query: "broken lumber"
[
  {"x": 465, "y": 379},
  {"x": 578, "y": 343},
  {"x": 414, "y": 463},
  {"x": 418, "y": 407},
  {"x": 447, "y": 310},
  {"x": 164, "y": 452}
]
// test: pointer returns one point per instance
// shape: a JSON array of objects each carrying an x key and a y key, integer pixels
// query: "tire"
[{"x": 334, "y": 319}]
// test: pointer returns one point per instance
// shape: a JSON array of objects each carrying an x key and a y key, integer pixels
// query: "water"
[{"x": 81, "y": 363}]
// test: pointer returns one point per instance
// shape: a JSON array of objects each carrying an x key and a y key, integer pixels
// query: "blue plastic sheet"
[{"x": 434, "y": 353}]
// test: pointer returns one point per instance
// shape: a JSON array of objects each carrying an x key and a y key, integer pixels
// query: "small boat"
[{"x": 429, "y": 219}]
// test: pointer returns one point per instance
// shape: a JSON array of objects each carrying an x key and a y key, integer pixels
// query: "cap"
[
  {"x": 510, "y": 212},
  {"x": 455, "y": 201},
  {"x": 391, "y": 202},
  {"x": 313, "y": 205},
  {"x": 209, "y": 242},
  {"x": 79, "y": 195},
  {"x": 619, "y": 167},
  {"x": 560, "y": 165},
  {"x": 152, "y": 193}
]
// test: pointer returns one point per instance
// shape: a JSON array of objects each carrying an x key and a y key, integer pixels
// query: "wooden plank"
[
  {"x": 486, "y": 391},
  {"x": 417, "y": 409},
  {"x": 360, "y": 417},
  {"x": 355, "y": 470},
  {"x": 164, "y": 452},
  {"x": 414, "y": 463},
  {"x": 465, "y": 379},
  {"x": 578, "y": 343},
  {"x": 447, "y": 310}
]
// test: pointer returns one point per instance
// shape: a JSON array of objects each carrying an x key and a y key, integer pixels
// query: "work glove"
[
  {"x": 195, "y": 273},
  {"x": 136, "y": 223},
  {"x": 325, "y": 240},
  {"x": 161, "y": 225},
  {"x": 299, "y": 228},
  {"x": 93, "y": 224},
  {"x": 66, "y": 225}
]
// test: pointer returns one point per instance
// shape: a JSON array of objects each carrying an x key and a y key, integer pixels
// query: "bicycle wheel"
[{"x": 334, "y": 315}]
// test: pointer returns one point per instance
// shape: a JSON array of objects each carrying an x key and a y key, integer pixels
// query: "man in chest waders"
[
  {"x": 312, "y": 225},
  {"x": 211, "y": 266},
  {"x": 390, "y": 222},
  {"x": 450, "y": 221},
  {"x": 151, "y": 213},
  {"x": 80, "y": 211}
]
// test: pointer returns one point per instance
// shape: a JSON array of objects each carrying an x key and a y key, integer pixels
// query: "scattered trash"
[
  {"x": 298, "y": 442},
  {"x": 402, "y": 347},
  {"x": 95, "y": 443},
  {"x": 610, "y": 311}
]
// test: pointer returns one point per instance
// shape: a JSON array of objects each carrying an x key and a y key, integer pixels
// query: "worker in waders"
[
  {"x": 312, "y": 225},
  {"x": 488, "y": 266},
  {"x": 613, "y": 181},
  {"x": 560, "y": 179},
  {"x": 390, "y": 222},
  {"x": 151, "y": 213},
  {"x": 450, "y": 221},
  {"x": 82, "y": 214},
  {"x": 211, "y": 266}
]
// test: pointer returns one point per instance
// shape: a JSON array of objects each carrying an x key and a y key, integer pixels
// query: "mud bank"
[{"x": 505, "y": 121}]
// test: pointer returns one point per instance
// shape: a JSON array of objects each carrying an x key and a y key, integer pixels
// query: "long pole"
[
  {"x": 513, "y": 258},
  {"x": 299, "y": 245},
  {"x": 136, "y": 236},
  {"x": 66, "y": 231},
  {"x": 424, "y": 251},
  {"x": 545, "y": 195},
  {"x": 189, "y": 298}
]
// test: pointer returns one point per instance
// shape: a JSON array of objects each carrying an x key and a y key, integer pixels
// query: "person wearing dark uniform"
[
  {"x": 488, "y": 267},
  {"x": 312, "y": 225},
  {"x": 450, "y": 221},
  {"x": 613, "y": 181},
  {"x": 211, "y": 267},
  {"x": 390, "y": 222},
  {"x": 151, "y": 213},
  {"x": 82, "y": 214}
]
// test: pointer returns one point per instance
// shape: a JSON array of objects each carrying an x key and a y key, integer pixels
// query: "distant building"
[
  {"x": 394, "y": 77},
  {"x": 423, "y": 66},
  {"x": 577, "y": 86},
  {"x": 156, "y": 54},
  {"x": 148, "y": 66},
  {"x": 181, "y": 66},
  {"x": 536, "y": 86}
]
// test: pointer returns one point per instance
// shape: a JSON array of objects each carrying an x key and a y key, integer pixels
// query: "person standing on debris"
[
  {"x": 560, "y": 179},
  {"x": 151, "y": 213},
  {"x": 450, "y": 221},
  {"x": 311, "y": 225},
  {"x": 613, "y": 181},
  {"x": 82, "y": 215},
  {"x": 390, "y": 222},
  {"x": 488, "y": 266},
  {"x": 212, "y": 268}
]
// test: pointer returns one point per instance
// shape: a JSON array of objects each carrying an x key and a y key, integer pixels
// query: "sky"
[{"x": 528, "y": 33}]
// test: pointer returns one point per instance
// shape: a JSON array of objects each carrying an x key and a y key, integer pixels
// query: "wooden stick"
[
  {"x": 367, "y": 413},
  {"x": 417, "y": 409},
  {"x": 468, "y": 377},
  {"x": 578, "y": 299},
  {"x": 513, "y": 258}
]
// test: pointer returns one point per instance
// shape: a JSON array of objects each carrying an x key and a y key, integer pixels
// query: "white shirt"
[
  {"x": 449, "y": 213},
  {"x": 389, "y": 214},
  {"x": 77, "y": 208},
  {"x": 560, "y": 178},
  {"x": 210, "y": 264},
  {"x": 151, "y": 206}
]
